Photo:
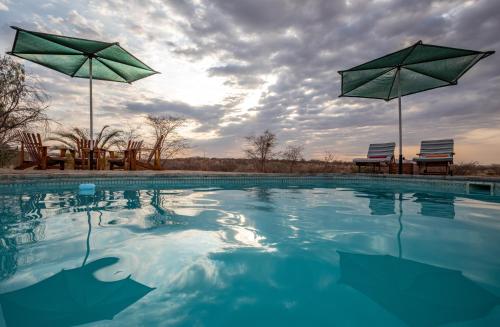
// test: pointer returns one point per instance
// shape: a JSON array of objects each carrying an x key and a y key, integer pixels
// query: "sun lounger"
[
  {"x": 378, "y": 154},
  {"x": 435, "y": 153}
]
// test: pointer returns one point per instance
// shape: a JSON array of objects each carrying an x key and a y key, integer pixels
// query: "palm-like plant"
[{"x": 106, "y": 138}]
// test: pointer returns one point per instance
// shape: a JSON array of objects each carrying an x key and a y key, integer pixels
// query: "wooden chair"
[
  {"x": 31, "y": 144},
  {"x": 154, "y": 156},
  {"x": 129, "y": 158},
  {"x": 378, "y": 154},
  {"x": 435, "y": 154},
  {"x": 82, "y": 155}
]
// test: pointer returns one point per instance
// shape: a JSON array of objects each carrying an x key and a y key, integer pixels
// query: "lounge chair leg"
[{"x": 43, "y": 151}]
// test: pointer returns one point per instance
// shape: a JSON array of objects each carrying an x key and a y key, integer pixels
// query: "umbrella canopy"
[
  {"x": 417, "y": 68},
  {"x": 73, "y": 56},
  {"x": 419, "y": 294},
  {"x": 80, "y": 58},
  {"x": 71, "y": 297}
]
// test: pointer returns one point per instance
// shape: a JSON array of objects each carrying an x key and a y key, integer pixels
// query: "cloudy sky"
[{"x": 239, "y": 67}]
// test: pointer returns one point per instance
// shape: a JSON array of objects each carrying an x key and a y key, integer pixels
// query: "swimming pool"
[{"x": 310, "y": 254}]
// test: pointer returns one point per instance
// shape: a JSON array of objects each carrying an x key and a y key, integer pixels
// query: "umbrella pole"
[
  {"x": 91, "y": 155},
  {"x": 400, "y": 166}
]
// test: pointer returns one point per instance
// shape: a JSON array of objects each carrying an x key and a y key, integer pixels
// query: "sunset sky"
[{"x": 236, "y": 68}]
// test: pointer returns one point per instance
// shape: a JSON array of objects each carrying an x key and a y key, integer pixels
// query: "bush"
[{"x": 7, "y": 156}]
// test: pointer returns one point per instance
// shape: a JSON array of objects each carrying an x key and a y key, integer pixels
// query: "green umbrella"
[
  {"x": 414, "y": 69},
  {"x": 80, "y": 58}
]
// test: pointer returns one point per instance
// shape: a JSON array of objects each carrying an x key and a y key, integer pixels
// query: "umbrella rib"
[
  {"x": 368, "y": 81},
  {"x": 100, "y": 79},
  {"x": 41, "y": 64},
  {"x": 428, "y": 75},
  {"x": 392, "y": 84},
  {"x": 475, "y": 61},
  {"x": 134, "y": 58},
  {"x": 79, "y": 67},
  {"x": 452, "y": 57},
  {"x": 48, "y": 54},
  {"x": 56, "y": 42},
  {"x": 431, "y": 88},
  {"x": 62, "y": 36},
  {"x": 112, "y": 69},
  {"x": 411, "y": 51},
  {"x": 364, "y": 97},
  {"x": 123, "y": 63},
  {"x": 387, "y": 55}
]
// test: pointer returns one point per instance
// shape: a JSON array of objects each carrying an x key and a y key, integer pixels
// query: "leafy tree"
[{"x": 105, "y": 138}]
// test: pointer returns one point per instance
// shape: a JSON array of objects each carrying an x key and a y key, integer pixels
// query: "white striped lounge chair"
[
  {"x": 435, "y": 153},
  {"x": 378, "y": 154}
]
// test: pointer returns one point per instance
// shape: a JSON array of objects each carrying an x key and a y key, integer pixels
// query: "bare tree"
[
  {"x": 168, "y": 126},
  {"x": 22, "y": 102},
  {"x": 129, "y": 133},
  {"x": 260, "y": 148},
  {"x": 328, "y": 160},
  {"x": 293, "y": 154}
]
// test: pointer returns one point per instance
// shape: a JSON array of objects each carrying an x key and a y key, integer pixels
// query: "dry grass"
[
  {"x": 304, "y": 167},
  {"x": 475, "y": 169},
  {"x": 247, "y": 165}
]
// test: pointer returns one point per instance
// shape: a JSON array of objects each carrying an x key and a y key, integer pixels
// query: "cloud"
[{"x": 208, "y": 117}]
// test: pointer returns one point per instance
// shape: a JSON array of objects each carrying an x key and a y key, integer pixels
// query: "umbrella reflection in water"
[
  {"x": 72, "y": 296},
  {"x": 419, "y": 294}
]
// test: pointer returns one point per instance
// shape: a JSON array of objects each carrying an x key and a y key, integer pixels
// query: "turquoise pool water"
[{"x": 316, "y": 255}]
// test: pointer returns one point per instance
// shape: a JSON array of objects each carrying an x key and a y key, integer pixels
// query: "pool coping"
[
  {"x": 53, "y": 178},
  {"x": 8, "y": 177}
]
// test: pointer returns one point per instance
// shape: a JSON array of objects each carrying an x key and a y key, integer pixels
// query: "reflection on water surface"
[{"x": 257, "y": 256}]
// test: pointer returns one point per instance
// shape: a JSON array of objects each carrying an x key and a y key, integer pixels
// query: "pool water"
[{"x": 320, "y": 255}]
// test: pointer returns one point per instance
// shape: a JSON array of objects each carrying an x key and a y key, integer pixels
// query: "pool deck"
[{"x": 18, "y": 180}]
